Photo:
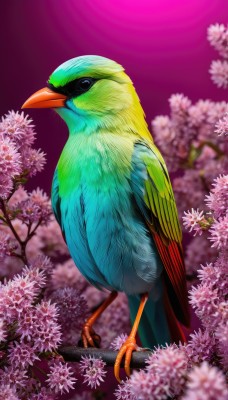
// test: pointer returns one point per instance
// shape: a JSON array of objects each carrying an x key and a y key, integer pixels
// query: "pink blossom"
[
  {"x": 14, "y": 377},
  {"x": 18, "y": 127},
  {"x": 33, "y": 160},
  {"x": 206, "y": 382},
  {"x": 46, "y": 335},
  {"x": 170, "y": 364},
  {"x": 93, "y": 370},
  {"x": 21, "y": 355},
  {"x": 179, "y": 105},
  {"x": 219, "y": 233},
  {"x": 222, "y": 126},
  {"x": 218, "y": 38},
  {"x": 60, "y": 377},
  {"x": 146, "y": 386},
  {"x": 16, "y": 296},
  {"x": 72, "y": 312},
  {"x": 217, "y": 200},
  {"x": 193, "y": 220},
  {"x": 201, "y": 346},
  {"x": 204, "y": 300},
  {"x": 219, "y": 73},
  {"x": 118, "y": 341},
  {"x": 124, "y": 392},
  {"x": 8, "y": 392},
  {"x": 36, "y": 208}
]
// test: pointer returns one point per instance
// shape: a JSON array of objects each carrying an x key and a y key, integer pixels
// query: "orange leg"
[
  {"x": 130, "y": 344},
  {"x": 88, "y": 334}
]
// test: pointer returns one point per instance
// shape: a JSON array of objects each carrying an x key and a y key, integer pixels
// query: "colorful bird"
[{"x": 113, "y": 200}]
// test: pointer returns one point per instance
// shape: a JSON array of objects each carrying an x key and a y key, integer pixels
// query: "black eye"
[
  {"x": 74, "y": 88},
  {"x": 85, "y": 83}
]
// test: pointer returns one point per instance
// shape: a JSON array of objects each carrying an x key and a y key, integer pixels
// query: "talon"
[
  {"x": 89, "y": 337},
  {"x": 127, "y": 349}
]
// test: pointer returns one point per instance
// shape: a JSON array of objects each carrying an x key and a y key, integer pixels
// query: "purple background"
[{"x": 161, "y": 43}]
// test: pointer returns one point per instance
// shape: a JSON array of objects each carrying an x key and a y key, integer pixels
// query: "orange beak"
[{"x": 45, "y": 98}]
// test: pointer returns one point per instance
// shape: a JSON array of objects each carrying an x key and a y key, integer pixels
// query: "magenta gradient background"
[{"x": 161, "y": 43}]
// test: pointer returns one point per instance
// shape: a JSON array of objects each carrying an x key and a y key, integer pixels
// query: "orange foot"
[
  {"x": 126, "y": 349},
  {"x": 89, "y": 337}
]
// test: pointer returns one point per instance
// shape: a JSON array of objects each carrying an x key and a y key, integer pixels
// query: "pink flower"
[
  {"x": 218, "y": 38},
  {"x": 206, "y": 382},
  {"x": 10, "y": 166},
  {"x": 16, "y": 297},
  {"x": 146, "y": 386},
  {"x": 118, "y": 341},
  {"x": 72, "y": 312},
  {"x": 8, "y": 392},
  {"x": 18, "y": 127},
  {"x": 219, "y": 233},
  {"x": 217, "y": 200},
  {"x": 14, "y": 377},
  {"x": 60, "y": 377},
  {"x": 46, "y": 331},
  {"x": 21, "y": 355},
  {"x": 35, "y": 209},
  {"x": 33, "y": 160},
  {"x": 92, "y": 370},
  {"x": 170, "y": 364},
  {"x": 193, "y": 219},
  {"x": 179, "y": 105},
  {"x": 201, "y": 346},
  {"x": 204, "y": 300},
  {"x": 222, "y": 126},
  {"x": 219, "y": 73},
  {"x": 124, "y": 392}
]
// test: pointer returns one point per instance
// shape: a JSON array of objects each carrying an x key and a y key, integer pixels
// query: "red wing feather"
[{"x": 172, "y": 258}]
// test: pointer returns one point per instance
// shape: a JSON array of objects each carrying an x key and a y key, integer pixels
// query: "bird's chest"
[{"x": 94, "y": 184}]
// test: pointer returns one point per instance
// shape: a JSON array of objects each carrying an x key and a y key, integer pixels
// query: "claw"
[
  {"x": 127, "y": 349},
  {"x": 89, "y": 337}
]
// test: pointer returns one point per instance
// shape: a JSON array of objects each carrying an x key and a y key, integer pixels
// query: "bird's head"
[{"x": 90, "y": 92}]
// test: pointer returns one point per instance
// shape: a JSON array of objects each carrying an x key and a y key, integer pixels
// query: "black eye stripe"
[{"x": 74, "y": 88}]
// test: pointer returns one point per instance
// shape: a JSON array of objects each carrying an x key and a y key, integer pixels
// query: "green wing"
[{"x": 154, "y": 196}]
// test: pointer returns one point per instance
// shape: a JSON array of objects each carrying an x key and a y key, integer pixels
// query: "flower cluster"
[
  {"x": 218, "y": 38},
  {"x": 30, "y": 334},
  {"x": 18, "y": 160},
  {"x": 92, "y": 370}
]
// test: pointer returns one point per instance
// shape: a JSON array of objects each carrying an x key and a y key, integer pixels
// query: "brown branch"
[{"x": 73, "y": 353}]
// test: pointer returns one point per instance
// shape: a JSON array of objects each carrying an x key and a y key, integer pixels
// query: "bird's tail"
[{"x": 158, "y": 325}]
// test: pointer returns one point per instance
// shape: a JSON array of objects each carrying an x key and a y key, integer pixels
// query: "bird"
[{"x": 113, "y": 199}]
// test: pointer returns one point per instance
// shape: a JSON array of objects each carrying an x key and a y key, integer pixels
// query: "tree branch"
[{"x": 73, "y": 353}]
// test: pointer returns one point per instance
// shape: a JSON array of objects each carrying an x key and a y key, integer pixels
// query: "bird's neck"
[{"x": 130, "y": 119}]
